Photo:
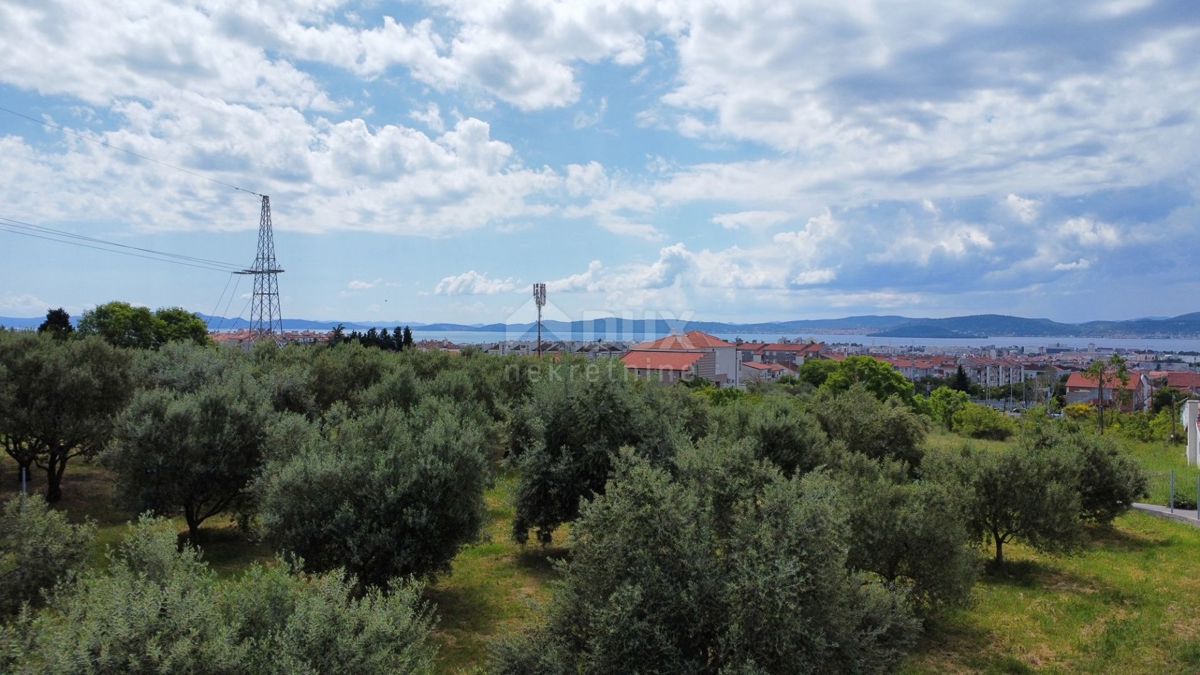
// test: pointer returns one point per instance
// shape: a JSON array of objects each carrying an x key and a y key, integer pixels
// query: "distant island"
[{"x": 963, "y": 327}]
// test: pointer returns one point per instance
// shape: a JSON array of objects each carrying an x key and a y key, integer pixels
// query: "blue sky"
[{"x": 726, "y": 161}]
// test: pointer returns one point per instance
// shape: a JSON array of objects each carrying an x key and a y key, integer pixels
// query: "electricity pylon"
[{"x": 266, "y": 320}]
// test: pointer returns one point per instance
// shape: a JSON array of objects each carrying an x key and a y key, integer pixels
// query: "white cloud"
[
  {"x": 473, "y": 283},
  {"x": 1080, "y": 264},
  {"x": 1088, "y": 232},
  {"x": 431, "y": 117},
  {"x": 1026, "y": 210},
  {"x": 750, "y": 219},
  {"x": 23, "y": 304},
  {"x": 584, "y": 120},
  {"x": 357, "y": 285}
]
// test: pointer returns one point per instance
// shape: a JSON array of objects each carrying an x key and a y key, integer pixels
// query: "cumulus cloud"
[
  {"x": 1080, "y": 264},
  {"x": 1026, "y": 210},
  {"x": 1088, "y": 232},
  {"x": 357, "y": 285},
  {"x": 473, "y": 283}
]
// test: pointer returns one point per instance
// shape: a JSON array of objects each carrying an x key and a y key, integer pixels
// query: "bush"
[
  {"x": 865, "y": 424},
  {"x": 780, "y": 430},
  {"x": 37, "y": 548},
  {"x": 945, "y": 403},
  {"x": 730, "y": 567},
  {"x": 159, "y": 609},
  {"x": 913, "y": 534},
  {"x": 1109, "y": 481},
  {"x": 978, "y": 421},
  {"x": 383, "y": 495}
]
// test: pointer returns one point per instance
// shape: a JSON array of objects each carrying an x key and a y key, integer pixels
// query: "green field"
[{"x": 1129, "y": 602}]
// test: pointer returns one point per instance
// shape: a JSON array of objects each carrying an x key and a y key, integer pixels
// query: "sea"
[{"x": 1030, "y": 344}]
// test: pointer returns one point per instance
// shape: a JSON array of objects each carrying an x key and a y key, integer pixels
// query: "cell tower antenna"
[
  {"x": 539, "y": 297},
  {"x": 265, "y": 318}
]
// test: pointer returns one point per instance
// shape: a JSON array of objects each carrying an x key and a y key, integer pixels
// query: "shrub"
[
  {"x": 37, "y": 548},
  {"x": 978, "y": 421},
  {"x": 730, "y": 567},
  {"x": 865, "y": 424},
  {"x": 159, "y": 609}
]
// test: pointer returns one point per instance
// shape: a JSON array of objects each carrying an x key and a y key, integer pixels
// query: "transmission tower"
[
  {"x": 265, "y": 317},
  {"x": 539, "y": 297}
]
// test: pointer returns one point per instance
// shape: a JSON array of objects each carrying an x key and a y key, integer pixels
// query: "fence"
[{"x": 1174, "y": 489}]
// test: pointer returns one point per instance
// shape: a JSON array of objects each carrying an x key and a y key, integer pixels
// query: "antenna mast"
[
  {"x": 539, "y": 297},
  {"x": 266, "y": 320}
]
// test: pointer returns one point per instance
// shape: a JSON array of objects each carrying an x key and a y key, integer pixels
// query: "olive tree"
[
  {"x": 1031, "y": 494},
  {"x": 384, "y": 494},
  {"x": 160, "y": 609},
  {"x": 912, "y": 533},
  {"x": 725, "y": 566},
  {"x": 38, "y": 547},
  {"x": 865, "y": 424},
  {"x": 60, "y": 402},
  {"x": 193, "y": 452}
]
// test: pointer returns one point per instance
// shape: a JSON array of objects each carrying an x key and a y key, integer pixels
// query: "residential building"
[
  {"x": 721, "y": 369},
  {"x": 666, "y": 366},
  {"x": 1128, "y": 395}
]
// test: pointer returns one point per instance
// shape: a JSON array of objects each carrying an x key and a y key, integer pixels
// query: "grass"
[
  {"x": 496, "y": 587},
  {"x": 1128, "y": 603}
]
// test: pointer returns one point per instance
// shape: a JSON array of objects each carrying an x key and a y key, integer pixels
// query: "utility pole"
[
  {"x": 266, "y": 319},
  {"x": 539, "y": 297}
]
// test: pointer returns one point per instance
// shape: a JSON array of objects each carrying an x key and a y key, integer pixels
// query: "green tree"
[
  {"x": 122, "y": 325},
  {"x": 408, "y": 338},
  {"x": 38, "y": 547},
  {"x": 1109, "y": 480},
  {"x": 879, "y": 378},
  {"x": 191, "y": 452},
  {"x": 779, "y": 429},
  {"x": 175, "y": 324},
  {"x": 816, "y": 371},
  {"x": 725, "y": 567},
  {"x": 583, "y": 422},
  {"x": 159, "y": 609},
  {"x": 57, "y": 323},
  {"x": 1031, "y": 494},
  {"x": 383, "y": 495},
  {"x": 861, "y": 422},
  {"x": 944, "y": 403},
  {"x": 62, "y": 397},
  {"x": 960, "y": 382}
]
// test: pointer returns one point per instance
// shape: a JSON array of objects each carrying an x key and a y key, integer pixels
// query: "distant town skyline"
[{"x": 764, "y": 162}]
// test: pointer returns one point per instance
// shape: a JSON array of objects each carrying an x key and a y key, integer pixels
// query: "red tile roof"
[
  {"x": 657, "y": 359},
  {"x": 693, "y": 340},
  {"x": 1175, "y": 379},
  {"x": 1078, "y": 380}
]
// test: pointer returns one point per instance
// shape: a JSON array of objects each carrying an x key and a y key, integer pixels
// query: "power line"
[
  {"x": 4, "y": 227},
  {"x": 127, "y": 151},
  {"x": 11, "y": 222}
]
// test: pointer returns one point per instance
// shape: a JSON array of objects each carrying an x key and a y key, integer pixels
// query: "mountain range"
[{"x": 973, "y": 326}]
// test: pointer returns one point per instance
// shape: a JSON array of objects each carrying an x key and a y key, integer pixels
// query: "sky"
[{"x": 735, "y": 161}]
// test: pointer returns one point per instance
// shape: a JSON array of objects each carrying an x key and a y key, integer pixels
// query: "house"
[
  {"x": 721, "y": 369},
  {"x": 753, "y": 371},
  {"x": 667, "y": 366},
  {"x": 792, "y": 355},
  {"x": 1083, "y": 388},
  {"x": 1187, "y": 383}
]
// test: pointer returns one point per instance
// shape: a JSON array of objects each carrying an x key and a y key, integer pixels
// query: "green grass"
[
  {"x": 1128, "y": 603},
  {"x": 495, "y": 589}
]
